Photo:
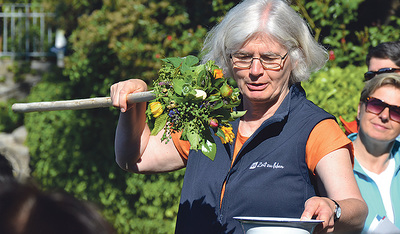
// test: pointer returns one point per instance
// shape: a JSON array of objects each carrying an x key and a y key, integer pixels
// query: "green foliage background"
[
  {"x": 337, "y": 90},
  {"x": 110, "y": 41}
]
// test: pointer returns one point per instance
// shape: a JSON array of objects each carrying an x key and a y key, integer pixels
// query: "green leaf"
[
  {"x": 199, "y": 69},
  {"x": 159, "y": 124},
  {"x": 193, "y": 137},
  {"x": 213, "y": 98},
  {"x": 210, "y": 64},
  {"x": 201, "y": 78},
  {"x": 175, "y": 61},
  {"x": 191, "y": 60},
  {"x": 238, "y": 114},
  {"x": 217, "y": 106},
  {"x": 218, "y": 82},
  {"x": 220, "y": 133},
  {"x": 178, "y": 85},
  {"x": 185, "y": 68},
  {"x": 209, "y": 149}
]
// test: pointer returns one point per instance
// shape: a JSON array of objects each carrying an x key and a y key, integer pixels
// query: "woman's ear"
[{"x": 358, "y": 110}]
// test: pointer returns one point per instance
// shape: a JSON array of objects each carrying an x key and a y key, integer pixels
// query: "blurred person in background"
[
  {"x": 6, "y": 170},
  {"x": 383, "y": 58},
  {"x": 377, "y": 153}
]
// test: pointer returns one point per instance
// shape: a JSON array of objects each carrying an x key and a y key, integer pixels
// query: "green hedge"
[
  {"x": 337, "y": 90},
  {"x": 9, "y": 120}
]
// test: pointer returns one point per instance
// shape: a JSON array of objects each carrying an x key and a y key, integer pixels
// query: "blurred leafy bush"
[
  {"x": 9, "y": 120},
  {"x": 337, "y": 90},
  {"x": 348, "y": 28}
]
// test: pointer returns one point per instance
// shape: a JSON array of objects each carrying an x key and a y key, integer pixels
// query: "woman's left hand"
[{"x": 320, "y": 208}]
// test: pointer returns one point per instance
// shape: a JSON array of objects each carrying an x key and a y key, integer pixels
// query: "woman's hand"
[
  {"x": 320, "y": 208},
  {"x": 119, "y": 92}
]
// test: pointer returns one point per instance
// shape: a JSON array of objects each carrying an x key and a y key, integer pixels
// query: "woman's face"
[
  {"x": 259, "y": 85},
  {"x": 380, "y": 127}
]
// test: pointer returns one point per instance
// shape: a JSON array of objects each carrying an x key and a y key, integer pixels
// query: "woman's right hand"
[{"x": 119, "y": 92}]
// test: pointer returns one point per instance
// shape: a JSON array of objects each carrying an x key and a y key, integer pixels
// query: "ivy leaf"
[
  {"x": 159, "y": 124},
  {"x": 185, "y": 68},
  {"x": 191, "y": 60},
  {"x": 193, "y": 137},
  {"x": 209, "y": 149},
  {"x": 237, "y": 114},
  {"x": 178, "y": 86},
  {"x": 175, "y": 61}
]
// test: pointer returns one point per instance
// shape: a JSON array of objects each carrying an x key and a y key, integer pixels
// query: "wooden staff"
[{"x": 79, "y": 104}]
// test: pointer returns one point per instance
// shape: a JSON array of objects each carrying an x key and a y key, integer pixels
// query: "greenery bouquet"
[{"x": 196, "y": 100}]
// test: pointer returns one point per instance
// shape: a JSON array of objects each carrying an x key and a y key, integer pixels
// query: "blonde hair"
[{"x": 378, "y": 81}]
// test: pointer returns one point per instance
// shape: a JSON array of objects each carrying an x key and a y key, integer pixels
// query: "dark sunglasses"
[
  {"x": 376, "y": 106},
  {"x": 371, "y": 74}
]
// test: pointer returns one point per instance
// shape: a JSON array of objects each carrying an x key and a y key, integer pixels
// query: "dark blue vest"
[{"x": 269, "y": 177}]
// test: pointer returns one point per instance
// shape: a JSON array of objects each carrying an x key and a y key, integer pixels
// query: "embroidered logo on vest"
[{"x": 276, "y": 165}]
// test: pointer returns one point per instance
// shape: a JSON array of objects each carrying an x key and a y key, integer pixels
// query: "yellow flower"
[
  {"x": 218, "y": 73},
  {"x": 229, "y": 135},
  {"x": 156, "y": 109}
]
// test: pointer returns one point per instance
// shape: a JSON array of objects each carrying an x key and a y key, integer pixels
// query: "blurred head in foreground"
[{"x": 26, "y": 209}]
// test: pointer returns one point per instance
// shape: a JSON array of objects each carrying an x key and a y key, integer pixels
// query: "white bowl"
[{"x": 261, "y": 225}]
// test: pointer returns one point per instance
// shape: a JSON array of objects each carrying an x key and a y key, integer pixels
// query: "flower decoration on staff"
[{"x": 196, "y": 100}]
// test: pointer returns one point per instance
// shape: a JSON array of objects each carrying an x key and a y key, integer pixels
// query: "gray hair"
[
  {"x": 275, "y": 18},
  {"x": 378, "y": 81}
]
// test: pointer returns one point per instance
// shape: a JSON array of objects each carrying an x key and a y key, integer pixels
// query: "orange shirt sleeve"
[
  {"x": 182, "y": 146},
  {"x": 325, "y": 138}
]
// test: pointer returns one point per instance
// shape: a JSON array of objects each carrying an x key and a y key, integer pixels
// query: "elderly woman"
[
  {"x": 289, "y": 158},
  {"x": 377, "y": 153}
]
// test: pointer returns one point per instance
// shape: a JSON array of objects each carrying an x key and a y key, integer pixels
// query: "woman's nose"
[
  {"x": 256, "y": 67},
  {"x": 385, "y": 114}
]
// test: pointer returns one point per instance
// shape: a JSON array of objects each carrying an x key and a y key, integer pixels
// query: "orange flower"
[
  {"x": 218, "y": 73},
  {"x": 229, "y": 135}
]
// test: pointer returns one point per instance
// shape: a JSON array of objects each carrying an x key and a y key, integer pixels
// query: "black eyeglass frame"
[
  {"x": 371, "y": 74},
  {"x": 392, "y": 108},
  {"x": 278, "y": 67}
]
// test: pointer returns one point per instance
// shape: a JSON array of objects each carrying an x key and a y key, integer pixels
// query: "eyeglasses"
[
  {"x": 269, "y": 62},
  {"x": 371, "y": 74},
  {"x": 376, "y": 106}
]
